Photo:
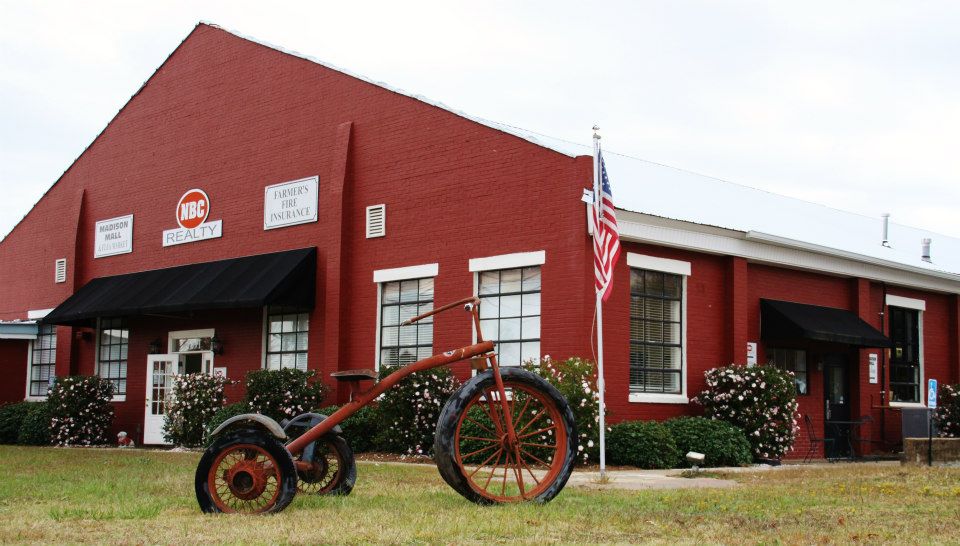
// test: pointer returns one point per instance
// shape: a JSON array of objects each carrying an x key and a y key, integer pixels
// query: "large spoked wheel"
[
  {"x": 333, "y": 470},
  {"x": 247, "y": 472},
  {"x": 477, "y": 456}
]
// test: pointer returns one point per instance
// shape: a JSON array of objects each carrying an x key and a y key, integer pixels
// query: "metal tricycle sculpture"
[{"x": 506, "y": 435}]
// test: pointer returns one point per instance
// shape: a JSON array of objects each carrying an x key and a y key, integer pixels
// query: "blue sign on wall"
[{"x": 932, "y": 394}]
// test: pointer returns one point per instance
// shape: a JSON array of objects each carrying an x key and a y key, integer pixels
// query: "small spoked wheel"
[
  {"x": 480, "y": 459},
  {"x": 332, "y": 470},
  {"x": 247, "y": 472}
]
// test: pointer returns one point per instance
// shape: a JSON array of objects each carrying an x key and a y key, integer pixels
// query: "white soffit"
[{"x": 508, "y": 261}]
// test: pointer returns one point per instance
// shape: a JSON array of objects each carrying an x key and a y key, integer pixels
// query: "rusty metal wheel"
[
  {"x": 334, "y": 470},
  {"x": 478, "y": 457},
  {"x": 247, "y": 472}
]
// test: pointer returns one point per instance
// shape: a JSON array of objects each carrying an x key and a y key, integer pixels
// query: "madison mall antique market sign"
[
  {"x": 290, "y": 203},
  {"x": 193, "y": 211},
  {"x": 113, "y": 236}
]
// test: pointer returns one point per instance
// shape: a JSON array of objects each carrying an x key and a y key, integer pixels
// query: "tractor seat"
[{"x": 362, "y": 374}]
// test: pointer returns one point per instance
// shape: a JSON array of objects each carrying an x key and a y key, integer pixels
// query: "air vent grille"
[
  {"x": 376, "y": 221},
  {"x": 60, "y": 270}
]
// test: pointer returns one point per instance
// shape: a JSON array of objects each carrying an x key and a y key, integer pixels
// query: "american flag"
[{"x": 606, "y": 235}]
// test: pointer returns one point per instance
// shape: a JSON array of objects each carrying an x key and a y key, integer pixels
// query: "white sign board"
[
  {"x": 206, "y": 230},
  {"x": 290, "y": 203},
  {"x": 932, "y": 394},
  {"x": 113, "y": 236},
  {"x": 751, "y": 353},
  {"x": 872, "y": 358},
  {"x": 220, "y": 372}
]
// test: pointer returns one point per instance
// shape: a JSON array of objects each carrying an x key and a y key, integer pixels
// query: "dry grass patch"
[{"x": 50, "y": 495}]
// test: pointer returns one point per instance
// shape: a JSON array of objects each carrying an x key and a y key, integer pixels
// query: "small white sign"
[
  {"x": 206, "y": 230},
  {"x": 220, "y": 372},
  {"x": 113, "y": 236},
  {"x": 751, "y": 353},
  {"x": 290, "y": 203},
  {"x": 873, "y": 368},
  {"x": 932, "y": 394}
]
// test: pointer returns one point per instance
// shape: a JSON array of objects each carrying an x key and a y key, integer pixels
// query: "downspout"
[{"x": 883, "y": 369}]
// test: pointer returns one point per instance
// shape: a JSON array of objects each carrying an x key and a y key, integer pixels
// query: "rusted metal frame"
[{"x": 364, "y": 398}]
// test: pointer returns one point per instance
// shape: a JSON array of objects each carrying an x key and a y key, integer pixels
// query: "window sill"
[
  {"x": 35, "y": 399},
  {"x": 907, "y": 405},
  {"x": 119, "y": 398},
  {"x": 652, "y": 398}
]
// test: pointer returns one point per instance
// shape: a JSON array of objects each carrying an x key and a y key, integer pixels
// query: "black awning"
[
  {"x": 280, "y": 278},
  {"x": 788, "y": 321}
]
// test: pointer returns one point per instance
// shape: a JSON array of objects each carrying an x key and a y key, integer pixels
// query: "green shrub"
[
  {"x": 359, "y": 429},
  {"x": 576, "y": 379},
  {"x": 283, "y": 394},
  {"x": 11, "y": 419},
  {"x": 221, "y": 415},
  {"x": 761, "y": 401},
  {"x": 35, "y": 430},
  {"x": 948, "y": 411},
  {"x": 196, "y": 398},
  {"x": 644, "y": 444},
  {"x": 80, "y": 410},
  {"x": 409, "y": 411},
  {"x": 722, "y": 443}
]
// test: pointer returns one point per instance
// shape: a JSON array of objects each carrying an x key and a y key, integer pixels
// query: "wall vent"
[
  {"x": 376, "y": 221},
  {"x": 60, "y": 270},
  {"x": 925, "y": 249}
]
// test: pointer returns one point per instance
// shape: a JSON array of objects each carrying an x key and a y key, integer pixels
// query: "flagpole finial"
[{"x": 596, "y": 133}]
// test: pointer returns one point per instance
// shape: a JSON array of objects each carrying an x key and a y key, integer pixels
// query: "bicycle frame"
[{"x": 481, "y": 348}]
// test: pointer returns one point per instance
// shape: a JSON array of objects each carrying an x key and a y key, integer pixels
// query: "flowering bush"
[
  {"x": 948, "y": 411},
  {"x": 286, "y": 393},
  {"x": 80, "y": 410},
  {"x": 761, "y": 401},
  {"x": 195, "y": 399},
  {"x": 409, "y": 411},
  {"x": 644, "y": 444},
  {"x": 576, "y": 379}
]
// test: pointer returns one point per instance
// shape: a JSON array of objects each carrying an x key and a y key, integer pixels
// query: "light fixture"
[
  {"x": 156, "y": 346},
  {"x": 216, "y": 345}
]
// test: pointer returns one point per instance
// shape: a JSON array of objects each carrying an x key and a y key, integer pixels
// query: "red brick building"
[{"x": 252, "y": 208}]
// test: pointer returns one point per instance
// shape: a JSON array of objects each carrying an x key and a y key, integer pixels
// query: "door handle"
[{"x": 827, "y": 408}]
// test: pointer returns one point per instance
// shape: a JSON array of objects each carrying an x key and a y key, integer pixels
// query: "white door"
[{"x": 160, "y": 372}]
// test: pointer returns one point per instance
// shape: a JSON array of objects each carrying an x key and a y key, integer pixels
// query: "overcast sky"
[{"x": 853, "y": 104}]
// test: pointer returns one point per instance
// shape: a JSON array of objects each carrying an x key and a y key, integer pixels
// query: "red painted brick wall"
[{"x": 13, "y": 367}]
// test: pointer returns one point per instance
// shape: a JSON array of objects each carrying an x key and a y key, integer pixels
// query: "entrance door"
[
  {"x": 836, "y": 396},
  {"x": 160, "y": 372}
]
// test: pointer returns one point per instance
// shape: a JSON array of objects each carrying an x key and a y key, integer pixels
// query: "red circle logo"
[{"x": 193, "y": 209}]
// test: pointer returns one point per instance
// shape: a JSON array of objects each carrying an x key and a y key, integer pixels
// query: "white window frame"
[
  {"x": 184, "y": 334},
  {"x": 676, "y": 267},
  {"x": 507, "y": 261},
  {"x": 96, "y": 361},
  {"x": 30, "y": 348},
  {"x": 919, "y": 306},
  {"x": 381, "y": 276},
  {"x": 265, "y": 333},
  {"x": 33, "y": 314}
]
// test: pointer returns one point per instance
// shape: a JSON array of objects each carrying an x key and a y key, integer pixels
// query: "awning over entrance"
[
  {"x": 788, "y": 321},
  {"x": 18, "y": 330},
  {"x": 281, "y": 278}
]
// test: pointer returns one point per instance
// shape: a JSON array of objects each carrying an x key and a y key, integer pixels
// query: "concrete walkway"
[{"x": 645, "y": 479}]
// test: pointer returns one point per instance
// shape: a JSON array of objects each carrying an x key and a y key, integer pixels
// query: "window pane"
[
  {"x": 425, "y": 336},
  {"x": 509, "y": 354},
  {"x": 531, "y": 279},
  {"x": 653, "y": 281},
  {"x": 409, "y": 291},
  {"x": 302, "y": 343},
  {"x": 390, "y": 316},
  {"x": 530, "y": 328},
  {"x": 510, "y": 281},
  {"x": 490, "y": 329},
  {"x": 510, "y": 306},
  {"x": 530, "y": 304},
  {"x": 509, "y": 329},
  {"x": 391, "y": 337},
  {"x": 426, "y": 289},
  {"x": 489, "y": 307},
  {"x": 530, "y": 351},
  {"x": 391, "y": 292},
  {"x": 408, "y": 335},
  {"x": 489, "y": 282},
  {"x": 407, "y": 312},
  {"x": 303, "y": 322}
]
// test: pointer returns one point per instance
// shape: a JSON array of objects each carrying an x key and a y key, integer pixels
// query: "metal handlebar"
[{"x": 469, "y": 305}]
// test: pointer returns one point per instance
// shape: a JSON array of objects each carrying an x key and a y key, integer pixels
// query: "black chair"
[{"x": 815, "y": 441}]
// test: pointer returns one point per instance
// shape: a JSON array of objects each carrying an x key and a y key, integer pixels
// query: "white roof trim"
[
  {"x": 653, "y": 263},
  {"x": 35, "y": 314},
  {"x": 410, "y": 272},
  {"x": 508, "y": 261},
  {"x": 686, "y": 235}
]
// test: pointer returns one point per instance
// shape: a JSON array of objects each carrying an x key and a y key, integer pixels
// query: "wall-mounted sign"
[
  {"x": 290, "y": 203},
  {"x": 932, "y": 393},
  {"x": 193, "y": 210},
  {"x": 873, "y": 368},
  {"x": 113, "y": 236},
  {"x": 751, "y": 353}
]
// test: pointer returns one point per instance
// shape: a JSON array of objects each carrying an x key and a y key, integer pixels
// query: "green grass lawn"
[{"x": 50, "y": 495}]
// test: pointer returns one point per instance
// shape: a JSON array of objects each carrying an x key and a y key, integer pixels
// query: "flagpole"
[{"x": 601, "y": 386}]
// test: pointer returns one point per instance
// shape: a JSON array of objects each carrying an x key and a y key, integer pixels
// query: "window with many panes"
[
  {"x": 791, "y": 360},
  {"x": 905, "y": 355},
  {"x": 43, "y": 360},
  {"x": 399, "y": 301},
  {"x": 113, "y": 340},
  {"x": 287, "y": 332},
  {"x": 656, "y": 344},
  {"x": 510, "y": 313}
]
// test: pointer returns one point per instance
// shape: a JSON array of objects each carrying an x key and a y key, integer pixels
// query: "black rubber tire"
[
  {"x": 346, "y": 476},
  {"x": 444, "y": 446},
  {"x": 285, "y": 467}
]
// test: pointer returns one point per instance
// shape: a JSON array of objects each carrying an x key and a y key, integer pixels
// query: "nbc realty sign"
[{"x": 193, "y": 212}]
